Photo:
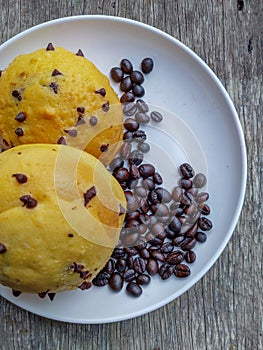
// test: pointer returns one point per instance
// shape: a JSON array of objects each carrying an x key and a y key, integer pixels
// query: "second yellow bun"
[
  {"x": 50, "y": 96},
  {"x": 61, "y": 213}
]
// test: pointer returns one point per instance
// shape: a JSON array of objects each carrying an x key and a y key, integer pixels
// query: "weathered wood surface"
[{"x": 224, "y": 310}]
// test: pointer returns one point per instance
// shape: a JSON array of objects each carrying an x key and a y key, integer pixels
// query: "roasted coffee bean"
[
  {"x": 144, "y": 147},
  {"x": 138, "y": 90},
  {"x": 191, "y": 210},
  {"x": 129, "y": 275},
  {"x": 158, "y": 179},
  {"x": 177, "y": 241},
  {"x": 134, "y": 172},
  {"x": 152, "y": 267},
  {"x": 132, "y": 183},
  {"x": 126, "y": 84},
  {"x": 186, "y": 199},
  {"x": 200, "y": 180},
  {"x": 156, "y": 116},
  {"x": 186, "y": 183},
  {"x": 131, "y": 251},
  {"x": 101, "y": 279},
  {"x": 157, "y": 255},
  {"x": 132, "y": 201},
  {"x": 116, "y": 74},
  {"x": 153, "y": 240},
  {"x": 136, "y": 157},
  {"x": 116, "y": 164},
  {"x": 205, "y": 224},
  {"x": 134, "y": 289},
  {"x": 192, "y": 191},
  {"x": 121, "y": 265},
  {"x": 145, "y": 207},
  {"x": 147, "y": 65},
  {"x": 144, "y": 219},
  {"x": 176, "y": 209},
  {"x": 121, "y": 174},
  {"x": 118, "y": 253},
  {"x": 183, "y": 219},
  {"x": 127, "y": 97},
  {"x": 202, "y": 197},
  {"x": 182, "y": 270},
  {"x": 131, "y": 124},
  {"x": 110, "y": 266},
  {"x": 163, "y": 194},
  {"x": 166, "y": 271},
  {"x": 128, "y": 136},
  {"x": 190, "y": 256},
  {"x": 116, "y": 282},
  {"x": 139, "y": 265},
  {"x": 192, "y": 231},
  {"x": 143, "y": 279},
  {"x": 176, "y": 194},
  {"x": 126, "y": 66},
  {"x": 141, "y": 191},
  {"x": 125, "y": 150},
  {"x": 167, "y": 247},
  {"x": 129, "y": 261},
  {"x": 84, "y": 286},
  {"x": 200, "y": 237},
  {"x": 141, "y": 244},
  {"x": 139, "y": 136},
  {"x": 175, "y": 257},
  {"x": 146, "y": 170},
  {"x": 152, "y": 197},
  {"x": 142, "y": 106},
  {"x": 129, "y": 109},
  {"x": 158, "y": 231},
  {"x": 148, "y": 184},
  {"x": 144, "y": 253},
  {"x": 205, "y": 209},
  {"x": 169, "y": 233},
  {"x": 137, "y": 77},
  {"x": 187, "y": 171},
  {"x": 175, "y": 225},
  {"x": 142, "y": 118},
  {"x": 132, "y": 223},
  {"x": 188, "y": 243},
  {"x": 160, "y": 209}
]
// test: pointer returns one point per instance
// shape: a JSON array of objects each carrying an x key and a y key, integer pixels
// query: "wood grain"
[{"x": 224, "y": 310}]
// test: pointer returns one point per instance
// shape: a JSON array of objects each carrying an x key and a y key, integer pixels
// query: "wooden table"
[{"x": 224, "y": 309}]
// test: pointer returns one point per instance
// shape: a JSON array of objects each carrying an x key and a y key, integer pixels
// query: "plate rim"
[{"x": 243, "y": 153}]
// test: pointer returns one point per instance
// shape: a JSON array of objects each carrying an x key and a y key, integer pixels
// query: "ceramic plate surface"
[{"x": 200, "y": 126}]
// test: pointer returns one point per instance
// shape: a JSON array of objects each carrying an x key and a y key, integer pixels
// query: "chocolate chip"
[
  {"x": 93, "y": 121},
  {"x": 54, "y": 87},
  {"x": 80, "y": 53},
  {"x": 16, "y": 293},
  {"x": 21, "y": 117},
  {"x": 80, "y": 121},
  {"x": 101, "y": 92},
  {"x": 2, "y": 248},
  {"x": 104, "y": 148},
  {"x": 21, "y": 178},
  {"x": 89, "y": 195},
  {"x": 1, "y": 72},
  {"x": 85, "y": 274},
  {"x": 17, "y": 94},
  {"x": 29, "y": 202},
  {"x": 42, "y": 295},
  {"x": 72, "y": 132},
  {"x": 61, "y": 141},
  {"x": 50, "y": 47},
  {"x": 70, "y": 235},
  {"x": 81, "y": 110},
  {"x": 106, "y": 106},
  {"x": 51, "y": 296},
  {"x": 56, "y": 72},
  {"x": 19, "y": 132}
]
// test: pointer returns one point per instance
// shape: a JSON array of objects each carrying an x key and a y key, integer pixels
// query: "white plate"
[{"x": 182, "y": 84}]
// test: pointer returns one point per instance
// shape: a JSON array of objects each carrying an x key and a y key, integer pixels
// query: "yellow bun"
[
  {"x": 46, "y": 92},
  {"x": 61, "y": 213}
]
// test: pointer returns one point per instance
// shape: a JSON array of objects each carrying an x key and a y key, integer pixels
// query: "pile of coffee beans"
[
  {"x": 131, "y": 80},
  {"x": 161, "y": 226}
]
